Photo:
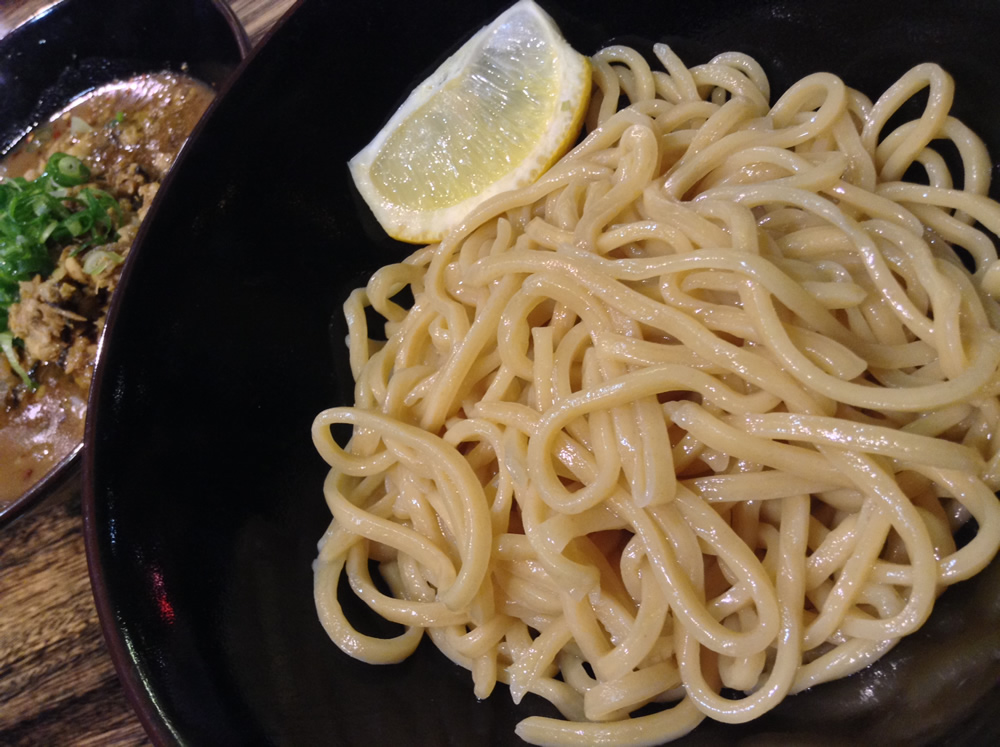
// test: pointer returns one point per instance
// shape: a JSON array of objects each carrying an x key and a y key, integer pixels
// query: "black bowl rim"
[{"x": 68, "y": 469}]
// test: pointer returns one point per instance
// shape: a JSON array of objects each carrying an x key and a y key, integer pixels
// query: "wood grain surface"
[{"x": 57, "y": 683}]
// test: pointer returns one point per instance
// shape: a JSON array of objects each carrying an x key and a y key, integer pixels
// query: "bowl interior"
[
  {"x": 78, "y": 45},
  {"x": 203, "y": 499}
]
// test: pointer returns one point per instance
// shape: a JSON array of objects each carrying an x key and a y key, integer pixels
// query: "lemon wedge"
[{"x": 493, "y": 117}]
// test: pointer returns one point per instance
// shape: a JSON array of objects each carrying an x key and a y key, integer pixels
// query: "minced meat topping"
[{"x": 127, "y": 136}]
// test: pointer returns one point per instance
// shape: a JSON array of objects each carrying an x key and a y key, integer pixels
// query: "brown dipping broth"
[{"x": 144, "y": 120}]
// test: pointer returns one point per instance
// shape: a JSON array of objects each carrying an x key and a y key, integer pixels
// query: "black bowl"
[
  {"x": 203, "y": 499},
  {"x": 78, "y": 45}
]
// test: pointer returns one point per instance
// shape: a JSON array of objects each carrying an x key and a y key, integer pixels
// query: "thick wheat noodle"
[{"x": 697, "y": 413}]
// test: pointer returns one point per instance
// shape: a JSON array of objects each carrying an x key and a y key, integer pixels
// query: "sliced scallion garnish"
[
  {"x": 66, "y": 170},
  {"x": 7, "y": 345}
]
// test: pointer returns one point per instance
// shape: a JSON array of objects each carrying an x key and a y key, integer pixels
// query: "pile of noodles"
[{"x": 692, "y": 420}]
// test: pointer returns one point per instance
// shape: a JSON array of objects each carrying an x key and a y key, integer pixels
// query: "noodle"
[{"x": 692, "y": 420}]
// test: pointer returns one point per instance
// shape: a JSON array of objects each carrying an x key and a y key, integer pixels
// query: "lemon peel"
[{"x": 494, "y": 116}]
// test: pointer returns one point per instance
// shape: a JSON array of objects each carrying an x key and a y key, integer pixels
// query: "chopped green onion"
[
  {"x": 7, "y": 191},
  {"x": 47, "y": 231},
  {"x": 27, "y": 208},
  {"x": 79, "y": 223},
  {"x": 7, "y": 345},
  {"x": 66, "y": 170},
  {"x": 100, "y": 260}
]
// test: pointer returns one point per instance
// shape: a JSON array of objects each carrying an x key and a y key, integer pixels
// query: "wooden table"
[{"x": 57, "y": 683}]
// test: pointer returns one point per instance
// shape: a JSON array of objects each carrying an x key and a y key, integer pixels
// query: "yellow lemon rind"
[{"x": 428, "y": 226}]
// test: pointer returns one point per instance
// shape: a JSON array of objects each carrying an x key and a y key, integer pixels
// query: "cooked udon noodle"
[{"x": 694, "y": 419}]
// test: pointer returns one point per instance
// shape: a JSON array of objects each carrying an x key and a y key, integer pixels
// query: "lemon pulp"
[{"x": 492, "y": 117}]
